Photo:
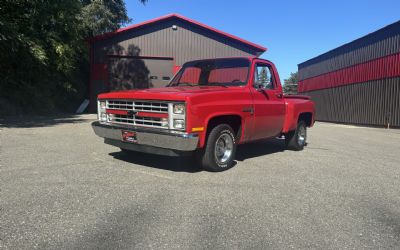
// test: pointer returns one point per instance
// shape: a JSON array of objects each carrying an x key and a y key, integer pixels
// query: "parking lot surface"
[{"x": 61, "y": 187}]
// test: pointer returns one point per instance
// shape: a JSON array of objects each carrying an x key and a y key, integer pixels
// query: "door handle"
[{"x": 280, "y": 95}]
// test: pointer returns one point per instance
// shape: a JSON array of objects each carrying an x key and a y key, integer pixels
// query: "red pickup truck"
[{"x": 209, "y": 107}]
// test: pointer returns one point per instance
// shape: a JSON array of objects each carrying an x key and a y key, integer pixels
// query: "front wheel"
[
  {"x": 296, "y": 140},
  {"x": 220, "y": 149}
]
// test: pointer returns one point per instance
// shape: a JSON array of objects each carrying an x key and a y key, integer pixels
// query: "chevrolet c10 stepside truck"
[{"x": 208, "y": 108}]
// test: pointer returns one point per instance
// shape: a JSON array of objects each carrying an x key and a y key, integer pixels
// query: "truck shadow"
[
  {"x": 259, "y": 148},
  {"x": 188, "y": 163},
  {"x": 176, "y": 164}
]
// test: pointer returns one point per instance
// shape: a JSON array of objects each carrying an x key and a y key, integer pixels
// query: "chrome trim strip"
[{"x": 175, "y": 141}]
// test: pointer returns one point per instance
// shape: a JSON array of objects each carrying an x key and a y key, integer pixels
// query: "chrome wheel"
[
  {"x": 223, "y": 148},
  {"x": 302, "y": 136}
]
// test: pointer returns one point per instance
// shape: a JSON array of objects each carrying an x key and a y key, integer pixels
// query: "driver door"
[{"x": 268, "y": 102}]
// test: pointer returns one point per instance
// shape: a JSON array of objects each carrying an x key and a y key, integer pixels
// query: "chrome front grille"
[
  {"x": 121, "y": 105},
  {"x": 148, "y": 106},
  {"x": 138, "y": 106},
  {"x": 139, "y": 121},
  {"x": 151, "y": 106}
]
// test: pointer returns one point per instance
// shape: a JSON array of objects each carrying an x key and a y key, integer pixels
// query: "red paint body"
[{"x": 271, "y": 113}]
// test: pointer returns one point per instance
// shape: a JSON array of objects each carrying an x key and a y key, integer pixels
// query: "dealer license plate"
[{"x": 129, "y": 136}]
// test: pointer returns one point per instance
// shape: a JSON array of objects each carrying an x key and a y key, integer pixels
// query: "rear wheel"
[
  {"x": 296, "y": 140},
  {"x": 220, "y": 149}
]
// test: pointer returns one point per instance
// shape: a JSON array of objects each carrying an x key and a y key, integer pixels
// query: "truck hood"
[{"x": 167, "y": 93}]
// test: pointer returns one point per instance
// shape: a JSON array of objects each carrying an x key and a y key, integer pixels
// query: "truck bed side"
[{"x": 296, "y": 107}]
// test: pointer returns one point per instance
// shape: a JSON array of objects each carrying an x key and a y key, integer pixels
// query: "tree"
[
  {"x": 43, "y": 54},
  {"x": 100, "y": 16},
  {"x": 39, "y": 52},
  {"x": 263, "y": 77},
  {"x": 290, "y": 84}
]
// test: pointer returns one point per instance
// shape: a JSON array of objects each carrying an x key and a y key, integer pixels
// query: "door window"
[{"x": 263, "y": 77}]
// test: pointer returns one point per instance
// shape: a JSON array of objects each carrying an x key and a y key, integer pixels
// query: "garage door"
[{"x": 139, "y": 72}]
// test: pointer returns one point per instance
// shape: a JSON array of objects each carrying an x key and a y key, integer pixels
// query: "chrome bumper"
[{"x": 148, "y": 137}]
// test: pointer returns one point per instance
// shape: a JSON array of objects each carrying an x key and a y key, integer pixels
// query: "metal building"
[
  {"x": 148, "y": 54},
  {"x": 359, "y": 82}
]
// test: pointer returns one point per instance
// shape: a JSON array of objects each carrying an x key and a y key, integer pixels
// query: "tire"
[
  {"x": 220, "y": 149},
  {"x": 296, "y": 140}
]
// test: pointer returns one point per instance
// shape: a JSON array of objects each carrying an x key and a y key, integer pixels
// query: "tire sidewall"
[
  {"x": 228, "y": 163},
  {"x": 300, "y": 146},
  {"x": 291, "y": 138},
  {"x": 209, "y": 161}
]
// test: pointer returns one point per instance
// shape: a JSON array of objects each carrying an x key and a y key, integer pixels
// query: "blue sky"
[{"x": 293, "y": 31}]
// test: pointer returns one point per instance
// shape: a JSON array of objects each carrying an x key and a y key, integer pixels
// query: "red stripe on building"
[{"x": 381, "y": 68}]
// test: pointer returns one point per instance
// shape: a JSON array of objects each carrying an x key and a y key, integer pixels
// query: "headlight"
[
  {"x": 164, "y": 122},
  {"x": 103, "y": 117},
  {"x": 179, "y": 108},
  {"x": 176, "y": 118},
  {"x": 179, "y": 123},
  {"x": 102, "y": 104},
  {"x": 101, "y": 112}
]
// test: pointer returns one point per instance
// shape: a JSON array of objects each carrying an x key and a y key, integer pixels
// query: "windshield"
[{"x": 214, "y": 72}]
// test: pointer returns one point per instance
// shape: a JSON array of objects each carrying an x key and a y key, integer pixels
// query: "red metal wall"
[
  {"x": 371, "y": 103},
  {"x": 381, "y": 68},
  {"x": 358, "y": 82},
  {"x": 381, "y": 43}
]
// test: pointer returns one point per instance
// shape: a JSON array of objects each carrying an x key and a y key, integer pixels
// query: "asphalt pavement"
[{"x": 61, "y": 187}]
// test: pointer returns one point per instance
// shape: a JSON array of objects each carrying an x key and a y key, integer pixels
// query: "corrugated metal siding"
[
  {"x": 358, "y": 82},
  {"x": 381, "y": 43},
  {"x": 184, "y": 44},
  {"x": 371, "y": 103},
  {"x": 384, "y": 67}
]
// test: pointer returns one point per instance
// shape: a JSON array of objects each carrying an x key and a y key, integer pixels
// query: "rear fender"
[{"x": 293, "y": 113}]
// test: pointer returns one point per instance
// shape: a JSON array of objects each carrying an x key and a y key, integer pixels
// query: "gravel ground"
[{"x": 61, "y": 187}]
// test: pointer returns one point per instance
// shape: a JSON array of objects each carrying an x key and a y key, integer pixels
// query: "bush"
[{"x": 43, "y": 53}]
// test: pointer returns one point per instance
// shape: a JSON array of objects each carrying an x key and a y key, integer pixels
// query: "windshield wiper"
[
  {"x": 187, "y": 84},
  {"x": 215, "y": 84}
]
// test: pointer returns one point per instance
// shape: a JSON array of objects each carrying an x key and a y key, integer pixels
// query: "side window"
[{"x": 263, "y": 77}]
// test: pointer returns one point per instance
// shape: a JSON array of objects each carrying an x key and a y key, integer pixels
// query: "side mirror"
[{"x": 259, "y": 87}]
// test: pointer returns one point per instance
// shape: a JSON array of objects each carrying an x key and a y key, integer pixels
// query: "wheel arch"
[
  {"x": 232, "y": 119},
  {"x": 307, "y": 117}
]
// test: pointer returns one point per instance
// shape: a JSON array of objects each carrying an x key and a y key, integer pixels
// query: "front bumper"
[{"x": 148, "y": 140}]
